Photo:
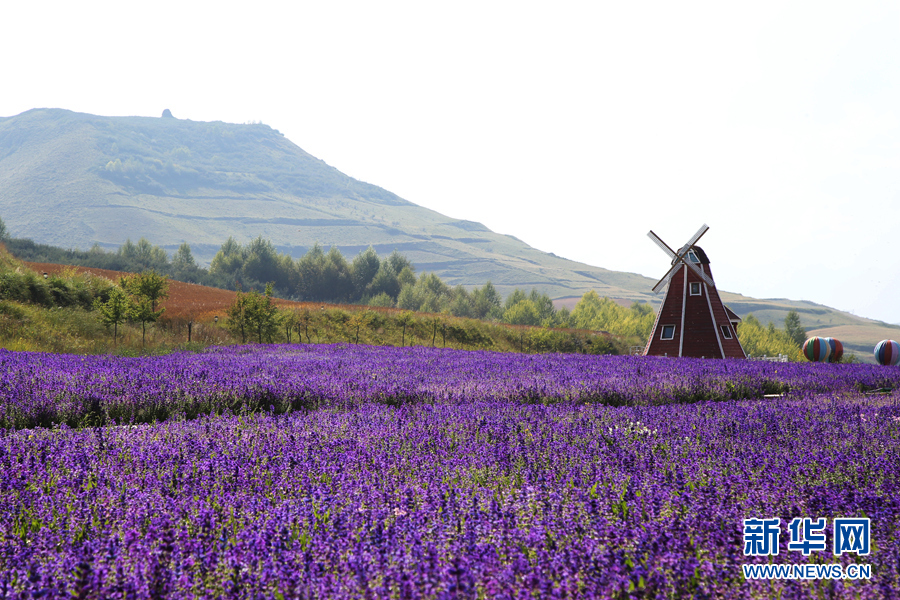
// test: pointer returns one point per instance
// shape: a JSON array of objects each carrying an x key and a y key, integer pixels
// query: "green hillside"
[{"x": 74, "y": 180}]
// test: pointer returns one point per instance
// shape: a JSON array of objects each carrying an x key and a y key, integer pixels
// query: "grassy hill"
[
  {"x": 74, "y": 180},
  {"x": 46, "y": 314}
]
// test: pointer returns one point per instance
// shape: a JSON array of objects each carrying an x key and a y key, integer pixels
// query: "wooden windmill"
[{"x": 692, "y": 321}]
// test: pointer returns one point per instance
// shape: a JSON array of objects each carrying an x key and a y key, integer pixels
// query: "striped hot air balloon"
[
  {"x": 887, "y": 352},
  {"x": 816, "y": 349},
  {"x": 837, "y": 350}
]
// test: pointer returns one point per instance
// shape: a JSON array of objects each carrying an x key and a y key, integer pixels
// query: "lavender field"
[{"x": 363, "y": 472}]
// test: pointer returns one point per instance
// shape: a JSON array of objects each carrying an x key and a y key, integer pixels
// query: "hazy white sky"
[{"x": 576, "y": 126}]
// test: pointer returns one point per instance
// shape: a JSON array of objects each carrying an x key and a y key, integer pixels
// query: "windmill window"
[
  {"x": 668, "y": 332},
  {"x": 726, "y": 332},
  {"x": 695, "y": 288},
  {"x": 693, "y": 257}
]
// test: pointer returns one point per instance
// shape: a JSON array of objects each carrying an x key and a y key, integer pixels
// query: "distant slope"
[
  {"x": 73, "y": 180},
  {"x": 859, "y": 335}
]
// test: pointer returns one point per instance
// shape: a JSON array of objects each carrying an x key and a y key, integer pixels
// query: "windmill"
[{"x": 692, "y": 321}]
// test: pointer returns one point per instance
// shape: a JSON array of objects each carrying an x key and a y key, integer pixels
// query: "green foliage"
[
  {"x": 794, "y": 329},
  {"x": 254, "y": 314},
  {"x": 4, "y": 234},
  {"x": 145, "y": 289},
  {"x": 534, "y": 309},
  {"x": 523, "y": 312},
  {"x": 115, "y": 310},
  {"x": 382, "y": 300},
  {"x": 603, "y": 314},
  {"x": 758, "y": 340}
]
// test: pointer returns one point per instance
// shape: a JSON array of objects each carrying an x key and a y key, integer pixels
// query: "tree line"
[{"x": 379, "y": 281}]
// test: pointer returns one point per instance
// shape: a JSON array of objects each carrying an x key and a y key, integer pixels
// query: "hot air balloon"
[
  {"x": 887, "y": 352},
  {"x": 817, "y": 349}
]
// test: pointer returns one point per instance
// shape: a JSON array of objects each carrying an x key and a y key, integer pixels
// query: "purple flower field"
[
  {"x": 39, "y": 389},
  {"x": 361, "y": 472}
]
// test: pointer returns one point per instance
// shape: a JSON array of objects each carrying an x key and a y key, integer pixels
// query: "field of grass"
[{"x": 27, "y": 326}]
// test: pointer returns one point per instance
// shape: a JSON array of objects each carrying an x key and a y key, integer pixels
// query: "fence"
[{"x": 779, "y": 358}]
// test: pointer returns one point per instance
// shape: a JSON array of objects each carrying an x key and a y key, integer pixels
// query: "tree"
[
  {"x": 398, "y": 262},
  {"x": 759, "y": 340},
  {"x": 304, "y": 317},
  {"x": 794, "y": 329},
  {"x": 261, "y": 262},
  {"x": 363, "y": 270},
  {"x": 382, "y": 300},
  {"x": 263, "y": 315},
  {"x": 143, "y": 256},
  {"x": 486, "y": 302},
  {"x": 514, "y": 298},
  {"x": 312, "y": 272},
  {"x": 147, "y": 284},
  {"x": 4, "y": 234},
  {"x": 114, "y": 311},
  {"x": 543, "y": 304},
  {"x": 358, "y": 319},
  {"x": 522, "y": 313},
  {"x": 603, "y": 314},
  {"x": 236, "y": 317},
  {"x": 146, "y": 289},
  {"x": 385, "y": 282},
  {"x": 337, "y": 279},
  {"x": 229, "y": 260},
  {"x": 253, "y": 313},
  {"x": 183, "y": 264},
  {"x": 405, "y": 320}
]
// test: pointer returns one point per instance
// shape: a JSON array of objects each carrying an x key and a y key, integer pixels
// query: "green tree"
[
  {"x": 337, "y": 278},
  {"x": 115, "y": 310},
  {"x": 794, "y": 329},
  {"x": 184, "y": 267},
  {"x": 237, "y": 316},
  {"x": 523, "y": 312},
  {"x": 514, "y": 298},
  {"x": 405, "y": 320},
  {"x": 261, "y": 262},
  {"x": 143, "y": 256},
  {"x": 147, "y": 284},
  {"x": 4, "y": 234},
  {"x": 759, "y": 340},
  {"x": 385, "y": 282},
  {"x": 262, "y": 314},
  {"x": 543, "y": 304},
  {"x": 229, "y": 260},
  {"x": 363, "y": 270},
  {"x": 409, "y": 298},
  {"x": 486, "y": 302},
  {"x": 311, "y": 267},
  {"x": 382, "y": 300},
  {"x": 398, "y": 262},
  {"x": 603, "y": 314},
  {"x": 146, "y": 290},
  {"x": 461, "y": 304},
  {"x": 406, "y": 276}
]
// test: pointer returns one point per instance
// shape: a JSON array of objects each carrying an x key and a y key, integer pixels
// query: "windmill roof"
[{"x": 704, "y": 260}]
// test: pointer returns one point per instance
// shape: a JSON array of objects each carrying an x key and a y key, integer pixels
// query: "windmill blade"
[
  {"x": 696, "y": 237},
  {"x": 662, "y": 245},
  {"x": 662, "y": 282},
  {"x": 699, "y": 272}
]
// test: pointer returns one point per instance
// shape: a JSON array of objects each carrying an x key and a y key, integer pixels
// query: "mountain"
[{"x": 75, "y": 180}]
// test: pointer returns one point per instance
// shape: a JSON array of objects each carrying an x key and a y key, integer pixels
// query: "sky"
[{"x": 576, "y": 127}]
